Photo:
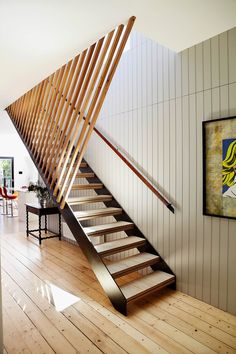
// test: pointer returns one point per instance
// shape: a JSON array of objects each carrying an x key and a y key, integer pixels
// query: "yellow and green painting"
[
  {"x": 229, "y": 168},
  {"x": 220, "y": 167}
]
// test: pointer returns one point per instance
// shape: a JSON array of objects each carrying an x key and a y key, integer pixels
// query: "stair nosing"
[
  {"x": 133, "y": 268},
  {"x": 104, "y": 212},
  {"x": 87, "y": 186},
  {"x": 128, "y": 226},
  {"x": 149, "y": 290},
  {"x": 89, "y": 199},
  {"x": 85, "y": 175},
  {"x": 118, "y": 249}
]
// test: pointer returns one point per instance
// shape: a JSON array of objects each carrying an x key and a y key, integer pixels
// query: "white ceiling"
[{"x": 38, "y": 36}]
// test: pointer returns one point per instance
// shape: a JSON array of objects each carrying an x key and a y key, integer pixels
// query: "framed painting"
[{"x": 219, "y": 167}]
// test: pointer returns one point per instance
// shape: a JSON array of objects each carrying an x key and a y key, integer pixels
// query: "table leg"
[
  {"x": 27, "y": 222},
  {"x": 3, "y": 207},
  {"x": 59, "y": 226},
  {"x": 46, "y": 224},
  {"x": 40, "y": 240}
]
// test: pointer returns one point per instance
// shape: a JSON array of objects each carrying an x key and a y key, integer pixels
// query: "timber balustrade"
[{"x": 49, "y": 117}]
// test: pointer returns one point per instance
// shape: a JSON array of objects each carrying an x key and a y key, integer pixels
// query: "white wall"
[
  {"x": 154, "y": 112},
  {"x": 11, "y": 145}
]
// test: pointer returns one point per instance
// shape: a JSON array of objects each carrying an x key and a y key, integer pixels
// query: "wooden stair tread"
[
  {"x": 85, "y": 175},
  {"x": 91, "y": 214},
  {"x": 154, "y": 281},
  {"x": 132, "y": 263},
  {"x": 89, "y": 199},
  {"x": 98, "y": 230},
  {"x": 111, "y": 247},
  {"x": 83, "y": 164},
  {"x": 87, "y": 186}
]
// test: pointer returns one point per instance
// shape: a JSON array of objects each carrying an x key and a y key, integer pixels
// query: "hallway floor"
[{"x": 52, "y": 303}]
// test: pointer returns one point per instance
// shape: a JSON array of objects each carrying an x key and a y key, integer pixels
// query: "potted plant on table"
[{"x": 42, "y": 193}]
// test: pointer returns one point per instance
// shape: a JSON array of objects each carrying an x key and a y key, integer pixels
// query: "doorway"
[{"x": 7, "y": 172}]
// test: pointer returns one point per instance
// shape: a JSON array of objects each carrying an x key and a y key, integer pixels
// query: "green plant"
[{"x": 40, "y": 190}]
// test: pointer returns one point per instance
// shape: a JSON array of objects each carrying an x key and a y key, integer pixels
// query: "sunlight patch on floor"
[{"x": 60, "y": 298}]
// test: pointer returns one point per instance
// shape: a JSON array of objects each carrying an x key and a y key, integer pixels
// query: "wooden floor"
[{"x": 52, "y": 303}]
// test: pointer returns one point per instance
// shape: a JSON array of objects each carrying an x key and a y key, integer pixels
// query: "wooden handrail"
[{"x": 136, "y": 172}]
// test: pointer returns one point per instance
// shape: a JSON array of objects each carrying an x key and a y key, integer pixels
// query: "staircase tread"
[
  {"x": 119, "y": 245},
  {"x": 89, "y": 199},
  {"x": 108, "y": 228},
  {"x": 146, "y": 284},
  {"x": 88, "y": 186},
  {"x": 85, "y": 175},
  {"x": 83, "y": 164},
  {"x": 132, "y": 263},
  {"x": 97, "y": 212}
]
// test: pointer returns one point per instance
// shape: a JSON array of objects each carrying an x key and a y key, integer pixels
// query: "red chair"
[
  {"x": 2, "y": 199},
  {"x": 9, "y": 198}
]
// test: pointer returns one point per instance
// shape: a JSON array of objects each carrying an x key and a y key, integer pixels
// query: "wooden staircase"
[
  {"x": 160, "y": 275},
  {"x": 108, "y": 272},
  {"x": 55, "y": 120}
]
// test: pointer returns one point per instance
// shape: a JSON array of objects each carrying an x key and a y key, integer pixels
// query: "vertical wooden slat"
[
  {"x": 35, "y": 117},
  {"x": 30, "y": 115},
  {"x": 18, "y": 119},
  {"x": 17, "y": 108},
  {"x": 37, "y": 97},
  {"x": 13, "y": 108},
  {"x": 18, "y": 113},
  {"x": 26, "y": 115},
  {"x": 23, "y": 110}
]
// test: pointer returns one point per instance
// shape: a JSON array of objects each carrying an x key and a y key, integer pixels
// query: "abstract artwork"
[{"x": 219, "y": 167}]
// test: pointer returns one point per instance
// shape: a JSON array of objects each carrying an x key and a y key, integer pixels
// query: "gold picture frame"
[{"x": 219, "y": 167}]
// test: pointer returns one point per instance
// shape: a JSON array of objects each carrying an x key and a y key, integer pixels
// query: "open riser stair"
[
  {"x": 143, "y": 258},
  {"x": 55, "y": 121}
]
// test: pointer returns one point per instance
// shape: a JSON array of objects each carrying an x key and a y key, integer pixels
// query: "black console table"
[{"x": 42, "y": 211}]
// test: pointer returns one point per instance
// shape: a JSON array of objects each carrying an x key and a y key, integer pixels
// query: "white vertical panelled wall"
[{"x": 153, "y": 114}]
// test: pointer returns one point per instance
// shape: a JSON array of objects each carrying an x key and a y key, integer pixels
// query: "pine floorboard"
[{"x": 36, "y": 280}]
